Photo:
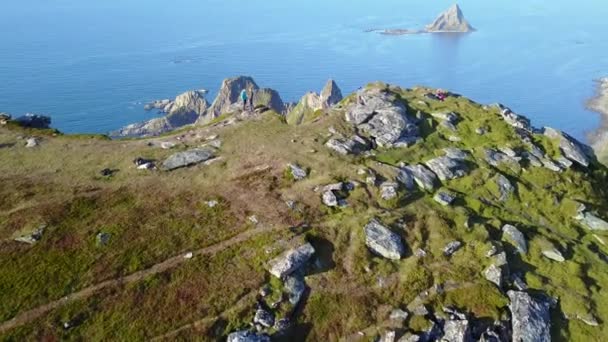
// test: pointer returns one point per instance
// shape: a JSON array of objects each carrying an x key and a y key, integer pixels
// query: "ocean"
[{"x": 92, "y": 65}]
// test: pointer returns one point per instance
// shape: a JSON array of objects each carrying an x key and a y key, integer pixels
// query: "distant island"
[{"x": 450, "y": 21}]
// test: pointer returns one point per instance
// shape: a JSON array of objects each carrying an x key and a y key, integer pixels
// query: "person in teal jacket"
[{"x": 244, "y": 98}]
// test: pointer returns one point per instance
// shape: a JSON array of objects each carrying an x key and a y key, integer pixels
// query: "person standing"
[
  {"x": 244, "y": 98},
  {"x": 250, "y": 95}
]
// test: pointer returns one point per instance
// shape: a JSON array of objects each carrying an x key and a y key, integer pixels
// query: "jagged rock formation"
[
  {"x": 192, "y": 107},
  {"x": 599, "y": 104},
  {"x": 34, "y": 121},
  {"x": 452, "y": 20},
  {"x": 530, "y": 318},
  {"x": 313, "y": 102}
]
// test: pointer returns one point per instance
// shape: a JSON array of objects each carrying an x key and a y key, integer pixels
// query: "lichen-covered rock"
[
  {"x": 447, "y": 168},
  {"x": 592, "y": 222},
  {"x": 264, "y": 318},
  {"x": 382, "y": 241},
  {"x": 425, "y": 179},
  {"x": 456, "y": 331},
  {"x": 496, "y": 158},
  {"x": 456, "y": 153},
  {"x": 553, "y": 254},
  {"x": 516, "y": 237},
  {"x": 291, "y": 260},
  {"x": 294, "y": 286},
  {"x": 188, "y": 158},
  {"x": 530, "y": 318},
  {"x": 247, "y": 336}
]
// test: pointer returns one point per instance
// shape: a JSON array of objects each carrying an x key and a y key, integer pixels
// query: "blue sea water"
[{"x": 92, "y": 65}]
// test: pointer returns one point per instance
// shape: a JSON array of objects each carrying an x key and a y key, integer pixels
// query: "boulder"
[
  {"x": 294, "y": 286},
  {"x": 406, "y": 178},
  {"x": 264, "y": 318},
  {"x": 247, "y": 336},
  {"x": 447, "y": 168},
  {"x": 297, "y": 172},
  {"x": 455, "y": 153},
  {"x": 551, "y": 165},
  {"x": 32, "y": 142},
  {"x": 329, "y": 198},
  {"x": 456, "y": 331},
  {"x": 382, "y": 116},
  {"x": 444, "y": 198},
  {"x": 34, "y": 121},
  {"x": 398, "y": 315},
  {"x": 382, "y": 241},
  {"x": 450, "y": 117},
  {"x": 504, "y": 187},
  {"x": 452, "y": 20},
  {"x": 425, "y": 179},
  {"x": 570, "y": 147},
  {"x": 353, "y": 145},
  {"x": 494, "y": 274},
  {"x": 553, "y": 254},
  {"x": 530, "y": 318},
  {"x": 496, "y": 158},
  {"x": 33, "y": 236},
  {"x": 451, "y": 248},
  {"x": 592, "y": 222},
  {"x": 388, "y": 190},
  {"x": 515, "y": 237},
  {"x": 388, "y": 336},
  {"x": 291, "y": 260},
  {"x": 188, "y": 158}
]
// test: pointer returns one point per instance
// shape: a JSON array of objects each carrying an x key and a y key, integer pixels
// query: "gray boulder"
[
  {"x": 456, "y": 331},
  {"x": 592, "y": 222},
  {"x": 570, "y": 147},
  {"x": 329, "y": 198},
  {"x": 382, "y": 241},
  {"x": 406, "y": 178},
  {"x": 297, "y": 172},
  {"x": 530, "y": 318},
  {"x": 33, "y": 236},
  {"x": 444, "y": 198},
  {"x": 398, "y": 315},
  {"x": 456, "y": 153},
  {"x": 188, "y": 158},
  {"x": 291, "y": 260},
  {"x": 425, "y": 179},
  {"x": 496, "y": 158},
  {"x": 553, "y": 254},
  {"x": 382, "y": 116},
  {"x": 294, "y": 286},
  {"x": 353, "y": 145},
  {"x": 447, "y": 168},
  {"x": 264, "y": 318},
  {"x": 504, "y": 187},
  {"x": 388, "y": 190},
  {"x": 515, "y": 237},
  {"x": 494, "y": 274},
  {"x": 32, "y": 142},
  {"x": 451, "y": 248},
  {"x": 34, "y": 121},
  {"x": 247, "y": 336}
]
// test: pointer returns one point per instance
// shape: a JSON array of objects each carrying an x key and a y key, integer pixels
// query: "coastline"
[{"x": 599, "y": 104}]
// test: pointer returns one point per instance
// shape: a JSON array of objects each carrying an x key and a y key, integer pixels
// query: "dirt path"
[{"x": 30, "y": 315}]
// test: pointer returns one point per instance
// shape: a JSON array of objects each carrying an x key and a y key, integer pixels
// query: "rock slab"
[{"x": 382, "y": 241}]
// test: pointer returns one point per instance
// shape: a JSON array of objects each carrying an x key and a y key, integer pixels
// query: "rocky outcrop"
[
  {"x": 452, "y": 20},
  {"x": 228, "y": 98},
  {"x": 312, "y": 102},
  {"x": 268, "y": 98},
  {"x": 530, "y": 318},
  {"x": 447, "y": 168},
  {"x": 188, "y": 158},
  {"x": 570, "y": 147},
  {"x": 34, "y": 121},
  {"x": 382, "y": 241},
  {"x": 379, "y": 114},
  {"x": 599, "y": 104},
  {"x": 451, "y": 248},
  {"x": 352, "y": 145},
  {"x": 504, "y": 187},
  {"x": 297, "y": 172},
  {"x": 290, "y": 261},
  {"x": 591, "y": 221},
  {"x": 456, "y": 331},
  {"x": 444, "y": 198}
]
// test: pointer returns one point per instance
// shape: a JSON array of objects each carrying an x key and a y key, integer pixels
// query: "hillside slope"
[{"x": 390, "y": 214}]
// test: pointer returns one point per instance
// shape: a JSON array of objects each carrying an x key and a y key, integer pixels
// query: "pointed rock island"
[{"x": 450, "y": 21}]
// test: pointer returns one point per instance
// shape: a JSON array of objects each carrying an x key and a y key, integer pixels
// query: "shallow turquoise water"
[{"x": 92, "y": 65}]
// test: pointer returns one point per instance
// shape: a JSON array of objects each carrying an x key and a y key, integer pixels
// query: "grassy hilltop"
[{"x": 116, "y": 247}]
